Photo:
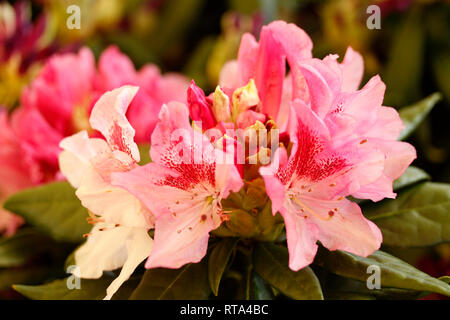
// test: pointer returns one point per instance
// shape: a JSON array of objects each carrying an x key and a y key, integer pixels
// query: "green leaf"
[
  {"x": 175, "y": 13},
  {"x": 446, "y": 279},
  {"x": 89, "y": 290},
  {"x": 420, "y": 216},
  {"x": 340, "y": 288},
  {"x": 441, "y": 68},
  {"x": 403, "y": 71},
  {"x": 53, "y": 209},
  {"x": 26, "y": 275},
  {"x": 218, "y": 261},
  {"x": 411, "y": 176},
  {"x": 21, "y": 247},
  {"x": 413, "y": 115},
  {"x": 260, "y": 290},
  {"x": 394, "y": 272},
  {"x": 271, "y": 263},
  {"x": 187, "y": 283}
]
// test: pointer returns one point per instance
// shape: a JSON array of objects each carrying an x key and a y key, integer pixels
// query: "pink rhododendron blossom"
[
  {"x": 182, "y": 187},
  {"x": 119, "y": 237},
  {"x": 58, "y": 103},
  {"x": 344, "y": 143}
]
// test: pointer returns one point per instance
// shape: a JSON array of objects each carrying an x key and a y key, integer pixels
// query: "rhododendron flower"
[
  {"x": 343, "y": 144},
  {"x": 182, "y": 187},
  {"x": 344, "y": 140},
  {"x": 119, "y": 237}
]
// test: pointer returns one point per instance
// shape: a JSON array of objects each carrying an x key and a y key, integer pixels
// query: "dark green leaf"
[
  {"x": 89, "y": 290},
  {"x": 187, "y": 283},
  {"x": 394, "y": 272},
  {"x": 420, "y": 216},
  {"x": 404, "y": 68},
  {"x": 175, "y": 13},
  {"x": 340, "y": 288},
  {"x": 413, "y": 115},
  {"x": 271, "y": 263},
  {"x": 25, "y": 244},
  {"x": 260, "y": 289},
  {"x": 53, "y": 209},
  {"x": 26, "y": 275},
  {"x": 441, "y": 68},
  {"x": 218, "y": 261},
  {"x": 411, "y": 176}
]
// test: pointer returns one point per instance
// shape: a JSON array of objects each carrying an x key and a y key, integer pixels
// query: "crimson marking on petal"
[
  {"x": 304, "y": 163},
  {"x": 190, "y": 174},
  {"x": 116, "y": 139}
]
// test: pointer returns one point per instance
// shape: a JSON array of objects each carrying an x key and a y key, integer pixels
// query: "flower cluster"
[{"x": 333, "y": 141}]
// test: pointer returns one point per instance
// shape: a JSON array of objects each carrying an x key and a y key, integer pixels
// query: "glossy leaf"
[
  {"x": 340, "y": 288},
  {"x": 187, "y": 283},
  {"x": 260, "y": 290},
  {"x": 54, "y": 209},
  {"x": 271, "y": 263},
  {"x": 88, "y": 290},
  {"x": 218, "y": 261},
  {"x": 411, "y": 176},
  {"x": 403, "y": 71},
  {"x": 25, "y": 244},
  {"x": 413, "y": 115},
  {"x": 394, "y": 272},
  {"x": 420, "y": 216}
]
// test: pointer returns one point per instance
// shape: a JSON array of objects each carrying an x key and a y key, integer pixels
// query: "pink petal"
[
  {"x": 248, "y": 50},
  {"x": 274, "y": 188},
  {"x": 352, "y": 69},
  {"x": 13, "y": 172},
  {"x": 38, "y": 142},
  {"x": 248, "y": 118},
  {"x": 324, "y": 80},
  {"x": 199, "y": 106},
  {"x": 180, "y": 239},
  {"x": 388, "y": 125},
  {"x": 55, "y": 92},
  {"x": 270, "y": 72},
  {"x": 301, "y": 240},
  {"x": 229, "y": 75},
  {"x": 115, "y": 70},
  {"x": 144, "y": 183},
  {"x": 346, "y": 228},
  {"x": 108, "y": 117}
]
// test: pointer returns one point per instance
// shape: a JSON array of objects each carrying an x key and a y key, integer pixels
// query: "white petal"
[
  {"x": 103, "y": 251},
  {"x": 139, "y": 245}
]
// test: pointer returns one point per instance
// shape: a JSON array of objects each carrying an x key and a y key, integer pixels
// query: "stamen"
[{"x": 309, "y": 210}]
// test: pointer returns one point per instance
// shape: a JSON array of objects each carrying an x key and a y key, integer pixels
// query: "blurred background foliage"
[{"x": 411, "y": 51}]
